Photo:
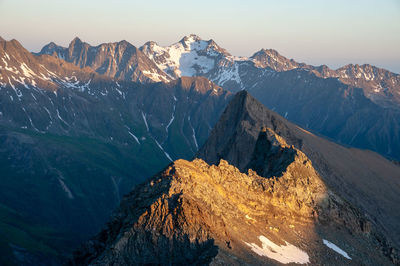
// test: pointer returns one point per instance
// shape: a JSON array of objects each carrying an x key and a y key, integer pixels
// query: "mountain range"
[
  {"x": 355, "y": 105},
  {"x": 84, "y": 125}
]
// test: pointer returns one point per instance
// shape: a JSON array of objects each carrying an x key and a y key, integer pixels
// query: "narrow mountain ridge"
[
  {"x": 363, "y": 178},
  {"x": 195, "y": 213}
]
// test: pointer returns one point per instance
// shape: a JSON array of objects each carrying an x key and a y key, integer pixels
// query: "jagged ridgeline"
[
  {"x": 357, "y": 105},
  {"x": 254, "y": 198}
]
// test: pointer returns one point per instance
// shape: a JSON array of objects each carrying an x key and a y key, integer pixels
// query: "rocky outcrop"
[
  {"x": 363, "y": 178},
  {"x": 195, "y": 213}
]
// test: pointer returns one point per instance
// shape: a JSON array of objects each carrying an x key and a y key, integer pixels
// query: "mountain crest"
[
  {"x": 191, "y": 38},
  {"x": 272, "y": 59},
  {"x": 215, "y": 213},
  {"x": 76, "y": 41}
]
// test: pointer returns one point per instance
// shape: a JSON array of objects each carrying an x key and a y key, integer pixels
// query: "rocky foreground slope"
[
  {"x": 274, "y": 208},
  {"x": 363, "y": 178},
  {"x": 196, "y": 213}
]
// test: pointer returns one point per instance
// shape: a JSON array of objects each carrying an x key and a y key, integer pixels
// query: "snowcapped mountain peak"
[
  {"x": 190, "y": 39},
  {"x": 191, "y": 56},
  {"x": 192, "y": 42}
]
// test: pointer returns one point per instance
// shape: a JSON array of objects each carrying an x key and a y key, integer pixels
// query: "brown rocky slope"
[
  {"x": 196, "y": 213},
  {"x": 362, "y": 177}
]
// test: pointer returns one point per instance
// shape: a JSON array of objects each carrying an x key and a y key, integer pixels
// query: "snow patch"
[
  {"x": 17, "y": 92},
  {"x": 194, "y": 138},
  {"x": 27, "y": 71},
  {"x": 58, "y": 114},
  {"x": 47, "y": 110},
  {"x": 172, "y": 118},
  {"x": 227, "y": 73},
  {"x": 30, "y": 120},
  {"x": 193, "y": 133},
  {"x": 65, "y": 188},
  {"x": 145, "y": 121},
  {"x": 284, "y": 254},
  {"x": 133, "y": 135},
  {"x": 336, "y": 249},
  {"x": 137, "y": 140},
  {"x": 154, "y": 76},
  {"x": 249, "y": 218},
  {"x": 33, "y": 96},
  {"x": 161, "y": 148}
]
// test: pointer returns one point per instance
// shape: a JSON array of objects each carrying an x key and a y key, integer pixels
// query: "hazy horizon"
[{"x": 334, "y": 33}]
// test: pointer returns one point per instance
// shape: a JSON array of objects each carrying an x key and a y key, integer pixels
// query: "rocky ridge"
[
  {"x": 195, "y": 213},
  {"x": 120, "y": 60},
  {"x": 363, "y": 178}
]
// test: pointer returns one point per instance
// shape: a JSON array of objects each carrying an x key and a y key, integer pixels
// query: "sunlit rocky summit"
[{"x": 278, "y": 211}]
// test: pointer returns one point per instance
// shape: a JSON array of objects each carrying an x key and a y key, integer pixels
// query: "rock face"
[
  {"x": 19, "y": 69},
  {"x": 119, "y": 60},
  {"x": 363, "y": 178},
  {"x": 196, "y": 213}
]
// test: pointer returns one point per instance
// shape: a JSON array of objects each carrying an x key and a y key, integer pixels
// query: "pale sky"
[{"x": 331, "y": 32}]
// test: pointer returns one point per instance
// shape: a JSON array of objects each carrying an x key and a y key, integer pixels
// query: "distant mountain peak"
[
  {"x": 52, "y": 44},
  {"x": 191, "y": 38},
  {"x": 151, "y": 44},
  {"x": 273, "y": 59},
  {"x": 125, "y": 42},
  {"x": 120, "y": 60},
  {"x": 76, "y": 40},
  {"x": 269, "y": 51}
]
